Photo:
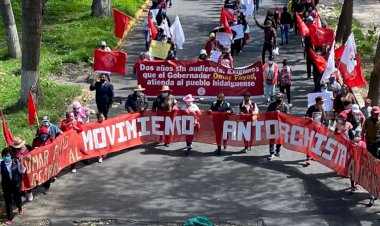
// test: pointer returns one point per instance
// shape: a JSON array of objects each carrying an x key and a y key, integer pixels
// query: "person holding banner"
[
  {"x": 278, "y": 106},
  {"x": 250, "y": 109},
  {"x": 226, "y": 59},
  {"x": 190, "y": 108},
  {"x": 165, "y": 102},
  {"x": 270, "y": 74},
  {"x": 203, "y": 55},
  {"x": 220, "y": 105},
  {"x": 137, "y": 101},
  {"x": 212, "y": 44}
]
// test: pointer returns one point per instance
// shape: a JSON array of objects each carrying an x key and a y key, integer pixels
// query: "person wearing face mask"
[
  {"x": 355, "y": 117},
  {"x": 165, "y": 103},
  {"x": 220, "y": 105},
  {"x": 202, "y": 55},
  {"x": 137, "y": 101},
  {"x": 333, "y": 86},
  {"x": 54, "y": 130},
  {"x": 371, "y": 126},
  {"x": 270, "y": 73},
  {"x": 343, "y": 100},
  {"x": 82, "y": 114},
  {"x": 69, "y": 123},
  {"x": 104, "y": 94},
  {"x": 250, "y": 109},
  {"x": 270, "y": 42},
  {"x": 278, "y": 106},
  {"x": 11, "y": 178},
  {"x": 190, "y": 109},
  {"x": 212, "y": 44},
  {"x": 42, "y": 139}
]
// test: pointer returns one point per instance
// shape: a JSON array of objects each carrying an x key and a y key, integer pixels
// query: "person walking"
[
  {"x": 137, "y": 101},
  {"x": 11, "y": 178},
  {"x": 285, "y": 80},
  {"x": 212, "y": 44},
  {"x": 104, "y": 94},
  {"x": 270, "y": 73},
  {"x": 226, "y": 59},
  {"x": 371, "y": 126},
  {"x": 82, "y": 114},
  {"x": 269, "y": 38},
  {"x": 190, "y": 108},
  {"x": 248, "y": 107},
  {"x": 54, "y": 130},
  {"x": 277, "y": 106},
  {"x": 285, "y": 20}
]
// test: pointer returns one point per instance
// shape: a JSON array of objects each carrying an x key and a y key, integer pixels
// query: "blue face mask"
[
  {"x": 138, "y": 93},
  {"x": 43, "y": 137},
  {"x": 7, "y": 159},
  {"x": 165, "y": 94}
]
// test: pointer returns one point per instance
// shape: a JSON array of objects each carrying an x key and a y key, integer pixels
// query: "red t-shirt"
[{"x": 66, "y": 127}]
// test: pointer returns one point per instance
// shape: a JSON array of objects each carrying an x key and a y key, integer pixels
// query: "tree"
[
  {"x": 345, "y": 21},
  {"x": 374, "y": 83},
  {"x": 14, "y": 50},
  {"x": 31, "y": 43},
  {"x": 101, "y": 8}
]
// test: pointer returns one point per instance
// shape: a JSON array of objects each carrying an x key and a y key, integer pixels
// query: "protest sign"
[
  {"x": 214, "y": 57},
  {"x": 200, "y": 78},
  {"x": 239, "y": 29},
  {"x": 159, "y": 49},
  {"x": 223, "y": 38},
  {"x": 327, "y": 95}
]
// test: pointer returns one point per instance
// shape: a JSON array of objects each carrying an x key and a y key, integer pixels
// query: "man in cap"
[
  {"x": 371, "y": 126},
  {"x": 54, "y": 131},
  {"x": 104, "y": 47},
  {"x": 270, "y": 73},
  {"x": 104, "y": 94},
  {"x": 269, "y": 37},
  {"x": 137, "y": 101},
  {"x": 212, "y": 44},
  {"x": 278, "y": 106}
]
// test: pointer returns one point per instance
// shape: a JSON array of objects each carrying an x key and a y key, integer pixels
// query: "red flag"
[
  {"x": 32, "y": 110},
  {"x": 224, "y": 21},
  {"x": 228, "y": 14},
  {"x": 303, "y": 30},
  {"x": 110, "y": 61},
  {"x": 356, "y": 77},
  {"x": 121, "y": 21},
  {"x": 152, "y": 29},
  {"x": 319, "y": 61},
  {"x": 339, "y": 52},
  {"x": 7, "y": 134},
  {"x": 320, "y": 36}
]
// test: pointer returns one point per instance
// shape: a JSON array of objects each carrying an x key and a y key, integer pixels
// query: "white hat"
[
  {"x": 203, "y": 51},
  {"x": 103, "y": 43},
  {"x": 355, "y": 108}
]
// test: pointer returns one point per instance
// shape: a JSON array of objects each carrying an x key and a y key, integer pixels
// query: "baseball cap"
[
  {"x": 376, "y": 110},
  {"x": 45, "y": 118},
  {"x": 355, "y": 108}
]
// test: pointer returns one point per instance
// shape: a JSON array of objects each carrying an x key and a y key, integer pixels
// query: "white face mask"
[{"x": 188, "y": 103}]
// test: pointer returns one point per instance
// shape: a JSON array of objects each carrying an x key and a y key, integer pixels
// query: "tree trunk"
[
  {"x": 14, "y": 50},
  {"x": 101, "y": 8},
  {"x": 345, "y": 21},
  {"x": 374, "y": 83},
  {"x": 31, "y": 43}
]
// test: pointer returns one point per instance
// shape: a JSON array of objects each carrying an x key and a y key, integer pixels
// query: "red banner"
[
  {"x": 320, "y": 36},
  {"x": 110, "y": 61},
  {"x": 121, "y": 22},
  {"x": 129, "y": 130},
  {"x": 200, "y": 78}
]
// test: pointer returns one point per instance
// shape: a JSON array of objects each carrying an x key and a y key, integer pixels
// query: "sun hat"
[
  {"x": 203, "y": 51},
  {"x": 166, "y": 89},
  {"x": 76, "y": 105},
  {"x": 18, "y": 142},
  {"x": 375, "y": 110},
  {"x": 103, "y": 43},
  {"x": 212, "y": 35},
  {"x": 138, "y": 88},
  {"x": 355, "y": 108},
  {"x": 188, "y": 98}
]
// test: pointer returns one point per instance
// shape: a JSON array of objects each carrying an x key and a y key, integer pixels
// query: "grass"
[{"x": 69, "y": 35}]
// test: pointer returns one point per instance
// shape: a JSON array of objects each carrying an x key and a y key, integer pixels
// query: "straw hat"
[
  {"x": 166, "y": 89},
  {"x": 138, "y": 88},
  {"x": 18, "y": 142},
  {"x": 188, "y": 98}
]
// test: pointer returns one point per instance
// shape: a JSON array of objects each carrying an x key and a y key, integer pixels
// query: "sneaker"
[
  {"x": 166, "y": 144},
  {"x": 244, "y": 150},
  {"x": 74, "y": 170},
  {"x": 29, "y": 196},
  {"x": 270, "y": 157},
  {"x": 100, "y": 160},
  {"x": 21, "y": 211},
  {"x": 8, "y": 222},
  {"x": 278, "y": 154}
]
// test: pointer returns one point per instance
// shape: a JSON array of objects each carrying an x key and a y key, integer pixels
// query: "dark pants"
[
  {"x": 287, "y": 88},
  {"x": 256, "y": 5},
  {"x": 46, "y": 185},
  {"x": 271, "y": 148},
  {"x": 146, "y": 41},
  {"x": 237, "y": 46},
  {"x": 14, "y": 194},
  {"x": 267, "y": 47},
  {"x": 309, "y": 62},
  {"x": 103, "y": 108}
]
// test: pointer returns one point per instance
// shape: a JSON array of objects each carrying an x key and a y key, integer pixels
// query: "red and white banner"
[
  {"x": 200, "y": 78},
  {"x": 110, "y": 61},
  {"x": 129, "y": 130}
]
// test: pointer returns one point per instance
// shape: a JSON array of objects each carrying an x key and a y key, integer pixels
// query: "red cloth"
[
  {"x": 226, "y": 13},
  {"x": 66, "y": 127},
  {"x": 319, "y": 61},
  {"x": 224, "y": 19},
  {"x": 152, "y": 29},
  {"x": 32, "y": 110},
  {"x": 110, "y": 61},
  {"x": 121, "y": 21},
  {"x": 7, "y": 134},
  {"x": 209, "y": 44},
  {"x": 356, "y": 77},
  {"x": 302, "y": 28},
  {"x": 37, "y": 142},
  {"x": 339, "y": 52},
  {"x": 320, "y": 36}
]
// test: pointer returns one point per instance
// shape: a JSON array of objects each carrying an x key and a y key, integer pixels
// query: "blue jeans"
[
  {"x": 269, "y": 91},
  {"x": 285, "y": 33}
]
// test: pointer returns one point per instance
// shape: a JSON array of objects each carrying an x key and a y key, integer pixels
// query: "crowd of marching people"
[{"x": 361, "y": 125}]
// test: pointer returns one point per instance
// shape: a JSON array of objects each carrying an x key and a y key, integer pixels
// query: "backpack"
[{"x": 198, "y": 221}]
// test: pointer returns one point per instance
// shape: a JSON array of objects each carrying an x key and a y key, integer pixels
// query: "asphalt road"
[{"x": 155, "y": 185}]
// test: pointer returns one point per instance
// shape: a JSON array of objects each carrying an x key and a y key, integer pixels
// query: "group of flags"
[
  {"x": 32, "y": 118},
  {"x": 346, "y": 59}
]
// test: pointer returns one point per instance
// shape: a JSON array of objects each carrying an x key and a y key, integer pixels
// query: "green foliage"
[{"x": 69, "y": 35}]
